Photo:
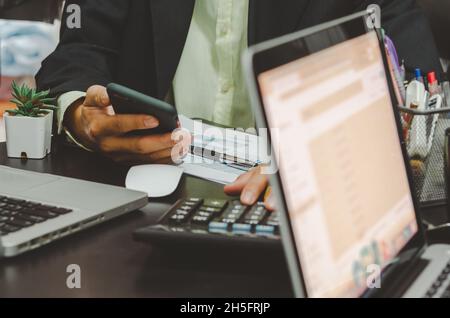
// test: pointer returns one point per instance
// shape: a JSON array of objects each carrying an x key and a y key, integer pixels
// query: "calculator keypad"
[
  {"x": 224, "y": 217},
  {"x": 184, "y": 211}
]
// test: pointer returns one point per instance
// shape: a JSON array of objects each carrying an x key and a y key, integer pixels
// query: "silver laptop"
[
  {"x": 36, "y": 209},
  {"x": 350, "y": 223}
]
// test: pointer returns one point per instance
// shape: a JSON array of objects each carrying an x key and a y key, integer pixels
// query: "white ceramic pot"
[{"x": 29, "y": 137}]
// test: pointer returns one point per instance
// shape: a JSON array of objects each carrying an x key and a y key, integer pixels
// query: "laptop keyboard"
[
  {"x": 441, "y": 287},
  {"x": 16, "y": 214}
]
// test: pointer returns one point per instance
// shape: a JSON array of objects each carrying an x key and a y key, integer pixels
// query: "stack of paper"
[{"x": 220, "y": 154}]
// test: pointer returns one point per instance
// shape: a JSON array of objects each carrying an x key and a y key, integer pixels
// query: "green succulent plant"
[{"x": 30, "y": 103}]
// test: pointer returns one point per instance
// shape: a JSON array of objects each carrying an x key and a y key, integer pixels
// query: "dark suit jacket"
[{"x": 138, "y": 43}]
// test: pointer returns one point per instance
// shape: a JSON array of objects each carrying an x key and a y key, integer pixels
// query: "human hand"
[
  {"x": 250, "y": 186},
  {"x": 93, "y": 122}
]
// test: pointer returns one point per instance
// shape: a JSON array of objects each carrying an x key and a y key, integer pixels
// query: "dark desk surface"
[{"x": 113, "y": 265}]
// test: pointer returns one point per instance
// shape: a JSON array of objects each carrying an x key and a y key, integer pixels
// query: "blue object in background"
[
  {"x": 24, "y": 45},
  {"x": 418, "y": 74}
]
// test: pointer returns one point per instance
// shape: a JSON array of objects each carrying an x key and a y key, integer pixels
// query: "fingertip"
[
  {"x": 226, "y": 188},
  {"x": 248, "y": 197},
  {"x": 151, "y": 122},
  {"x": 231, "y": 189}
]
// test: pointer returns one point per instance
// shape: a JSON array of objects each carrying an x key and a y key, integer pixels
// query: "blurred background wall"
[
  {"x": 49, "y": 11},
  {"x": 32, "y": 10},
  {"x": 29, "y": 31},
  {"x": 438, "y": 12}
]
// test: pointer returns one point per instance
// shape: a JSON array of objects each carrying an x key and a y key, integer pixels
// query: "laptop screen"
[{"x": 341, "y": 164}]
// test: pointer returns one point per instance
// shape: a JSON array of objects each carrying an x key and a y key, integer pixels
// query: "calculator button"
[
  {"x": 210, "y": 210},
  {"x": 231, "y": 218},
  {"x": 186, "y": 208},
  {"x": 199, "y": 231},
  {"x": 200, "y": 220},
  {"x": 180, "y": 216},
  {"x": 219, "y": 204},
  {"x": 204, "y": 214},
  {"x": 218, "y": 227},
  {"x": 265, "y": 230},
  {"x": 202, "y": 217},
  {"x": 273, "y": 223},
  {"x": 273, "y": 219},
  {"x": 190, "y": 204},
  {"x": 238, "y": 204},
  {"x": 233, "y": 214},
  {"x": 182, "y": 212},
  {"x": 177, "y": 218},
  {"x": 242, "y": 228},
  {"x": 177, "y": 229},
  {"x": 256, "y": 215}
]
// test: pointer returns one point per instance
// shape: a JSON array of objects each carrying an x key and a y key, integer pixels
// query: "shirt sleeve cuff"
[{"x": 64, "y": 102}]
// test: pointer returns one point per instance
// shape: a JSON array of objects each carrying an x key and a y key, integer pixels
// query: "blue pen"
[{"x": 418, "y": 74}]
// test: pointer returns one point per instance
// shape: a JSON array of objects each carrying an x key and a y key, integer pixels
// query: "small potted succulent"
[{"x": 29, "y": 126}]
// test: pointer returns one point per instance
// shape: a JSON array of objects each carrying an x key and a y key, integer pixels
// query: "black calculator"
[{"x": 214, "y": 222}]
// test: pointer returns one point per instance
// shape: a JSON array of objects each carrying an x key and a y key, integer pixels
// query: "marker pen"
[
  {"x": 433, "y": 85},
  {"x": 418, "y": 74}
]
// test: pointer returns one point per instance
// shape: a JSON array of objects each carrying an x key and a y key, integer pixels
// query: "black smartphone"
[{"x": 128, "y": 101}]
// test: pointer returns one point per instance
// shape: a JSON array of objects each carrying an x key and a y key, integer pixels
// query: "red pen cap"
[{"x": 432, "y": 77}]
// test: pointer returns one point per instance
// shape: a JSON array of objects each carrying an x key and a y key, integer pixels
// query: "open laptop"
[
  {"x": 349, "y": 220},
  {"x": 36, "y": 209}
]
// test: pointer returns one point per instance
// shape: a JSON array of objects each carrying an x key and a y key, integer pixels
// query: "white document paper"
[
  {"x": 237, "y": 146},
  {"x": 212, "y": 171}
]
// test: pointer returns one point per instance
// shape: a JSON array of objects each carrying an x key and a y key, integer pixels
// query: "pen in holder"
[{"x": 425, "y": 134}]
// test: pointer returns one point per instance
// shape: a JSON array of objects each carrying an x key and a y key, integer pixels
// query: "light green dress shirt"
[{"x": 209, "y": 81}]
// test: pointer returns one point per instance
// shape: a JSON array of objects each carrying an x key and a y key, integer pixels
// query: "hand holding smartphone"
[{"x": 129, "y": 101}]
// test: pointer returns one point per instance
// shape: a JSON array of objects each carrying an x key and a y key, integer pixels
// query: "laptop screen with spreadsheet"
[{"x": 341, "y": 165}]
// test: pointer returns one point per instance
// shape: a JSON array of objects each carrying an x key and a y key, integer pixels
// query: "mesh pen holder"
[{"x": 425, "y": 136}]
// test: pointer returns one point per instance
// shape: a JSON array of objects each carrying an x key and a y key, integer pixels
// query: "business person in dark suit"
[{"x": 188, "y": 51}]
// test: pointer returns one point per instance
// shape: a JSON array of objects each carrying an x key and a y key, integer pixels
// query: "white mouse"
[{"x": 155, "y": 180}]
